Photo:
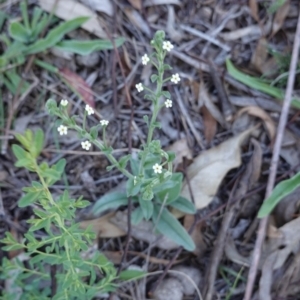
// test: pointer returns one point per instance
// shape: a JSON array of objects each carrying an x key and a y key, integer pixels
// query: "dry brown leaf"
[
  {"x": 260, "y": 113},
  {"x": 136, "y": 4},
  {"x": 70, "y": 9},
  {"x": 144, "y": 231},
  {"x": 137, "y": 20},
  {"x": 161, "y": 2},
  {"x": 205, "y": 98},
  {"x": 277, "y": 251},
  {"x": 175, "y": 34},
  {"x": 252, "y": 31},
  {"x": 103, "y": 6},
  {"x": 181, "y": 150},
  {"x": 196, "y": 235},
  {"x": 287, "y": 208},
  {"x": 210, "y": 124},
  {"x": 280, "y": 16},
  {"x": 79, "y": 85},
  {"x": 103, "y": 226},
  {"x": 210, "y": 167},
  {"x": 260, "y": 55},
  {"x": 254, "y": 9}
]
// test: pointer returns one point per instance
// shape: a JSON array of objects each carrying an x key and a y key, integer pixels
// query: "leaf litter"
[{"x": 253, "y": 34}]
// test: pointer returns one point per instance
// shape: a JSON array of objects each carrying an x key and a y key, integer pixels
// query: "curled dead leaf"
[
  {"x": 261, "y": 114},
  {"x": 79, "y": 86},
  {"x": 210, "y": 167}
]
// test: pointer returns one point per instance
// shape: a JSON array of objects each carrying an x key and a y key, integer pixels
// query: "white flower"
[
  {"x": 157, "y": 168},
  {"x": 104, "y": 122},
  {"x": 175, "y": 78},
  {"x": 89, "y": 110},
  {"x": 86, "y": 145},
  {"x": 145, "y": 59},
  {"x": 62, "y": 130},
  {"x": 167, "y": 46},
  {"x": 139, "y": 87},
  {"x": 168, "y": 103},
  {"x": 64, "y": 102}
]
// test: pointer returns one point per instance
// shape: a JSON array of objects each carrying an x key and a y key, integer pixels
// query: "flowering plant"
[{"x": 151, "y": 184}]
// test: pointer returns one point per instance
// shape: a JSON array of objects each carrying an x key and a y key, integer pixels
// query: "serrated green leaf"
[
  {"x": 184, "y": 205},
  {"x": 87, "y": 47},
  {"x": 169, "y": 226},
  {"x": 281, "y": 190},
  {"x": 55, "y": 35},
  {"x": 131, "y": 274},
  {"x": 28, "y": 199},
  {"x": 110, "y": 200}
]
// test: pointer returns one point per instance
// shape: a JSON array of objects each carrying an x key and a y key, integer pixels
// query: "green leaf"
[
  {"x": 60, "y": 166},
  {"x": 184, "y": 205},
  {"x": 169, "y": 226},
  {"x": 124, "y": 160},
  {"x": 171, "y": 156},
  {"x": 134, "y": 166},
  {"x": 38, "y": 142},
  {"x": 18, "y": 32},
  {"x": 131, "y": 274},
  {"x": 151, "y": 160},
  {"x": 55, "y": 35},
  {"x": 131, "y": 188},
  {"x": 258, "y": 84},
  {"x": 28, "y": 199},
  {"x": 169, "y": 190},
  {"x": 110, "y": 200},
  {"x": 166, "y": 94},
  {"x": 87, "y": 47},
  {"x": 153, "y": 78},
  {"x": 24, "y": 162},
  {"x": 281, "y": 190},
  {"x": 137, "y": 216},
  {"x": 147, "y": 208},
  {"x": 94, "y": 132},
  {"x": 19, "y": 152}
]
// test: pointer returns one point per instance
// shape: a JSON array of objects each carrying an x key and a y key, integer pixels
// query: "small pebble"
[
  {"x": 169, "y": 289},
  {"x": 187, "y": 287},
  {"x": 89, "y": 61}
]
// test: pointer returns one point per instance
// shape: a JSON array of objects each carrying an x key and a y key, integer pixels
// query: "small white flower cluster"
[
  {"x": 157, "y": 169},
  {"x": 62, "y": 130},
  {"x": 64, "y": 102},
  {"x": 86, "y": 145},
  {"x": 139, "y": 87},
  {"x": 167, "y": 46},
  {"x": 175, "y": 78},
  {"x": 168, "y": 103},
  {"x": 145, "y": 59},
  {"x": 89, "y": 110},
  {"x": 104, "y": 122}
]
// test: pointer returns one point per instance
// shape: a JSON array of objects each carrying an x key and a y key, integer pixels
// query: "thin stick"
[{"x": 274, "y": 163}]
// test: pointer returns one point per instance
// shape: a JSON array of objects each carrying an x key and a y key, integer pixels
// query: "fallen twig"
[{"x": 273, "y": 168}]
